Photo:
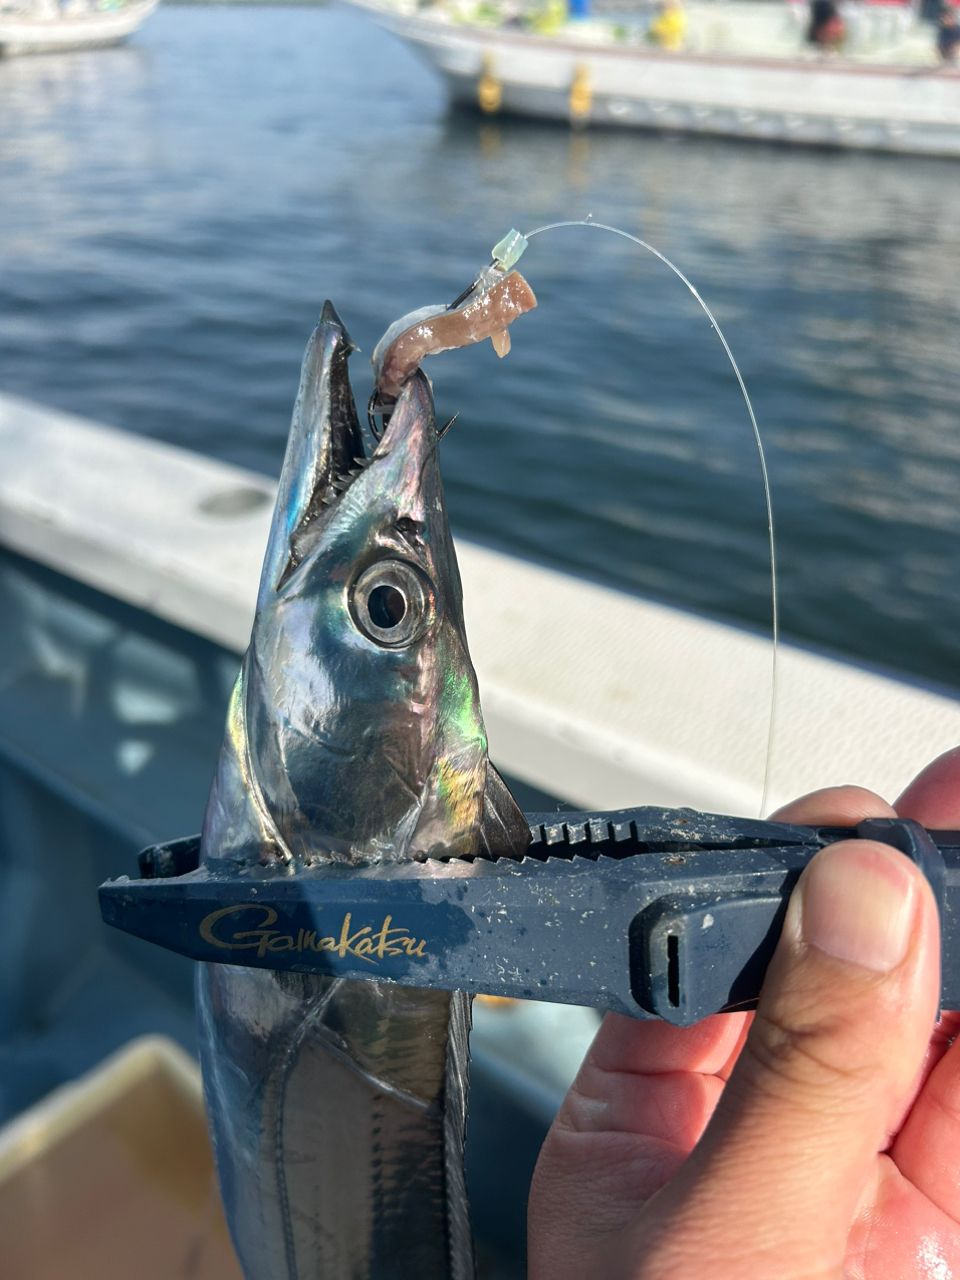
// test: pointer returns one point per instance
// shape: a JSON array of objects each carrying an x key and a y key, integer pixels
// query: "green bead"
[{"x": 508, "y": 251}]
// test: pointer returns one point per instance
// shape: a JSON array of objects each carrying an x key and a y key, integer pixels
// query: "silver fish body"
[{"x": 354, "y": 734}]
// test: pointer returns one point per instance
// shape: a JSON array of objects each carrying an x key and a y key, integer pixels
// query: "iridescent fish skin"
[{"x": 354, "y": 735}]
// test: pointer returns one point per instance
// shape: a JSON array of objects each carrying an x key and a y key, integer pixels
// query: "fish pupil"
[{"x": 386, "y": 606}]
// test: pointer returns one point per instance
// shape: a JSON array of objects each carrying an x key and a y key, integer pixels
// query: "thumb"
[{"x": 838, "y": 1041}]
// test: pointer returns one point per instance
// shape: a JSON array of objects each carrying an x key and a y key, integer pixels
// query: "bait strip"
[{"x": 486, "y": 312}]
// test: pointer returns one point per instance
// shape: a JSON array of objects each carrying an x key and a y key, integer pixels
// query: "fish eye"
[{"x": 391, "y": 603}]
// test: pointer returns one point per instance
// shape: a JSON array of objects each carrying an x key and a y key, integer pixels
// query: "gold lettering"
[
  {"x": 365, "y": 943},
  {"x": 208, "y": 922},
  {"x": 282, "y": 942}
]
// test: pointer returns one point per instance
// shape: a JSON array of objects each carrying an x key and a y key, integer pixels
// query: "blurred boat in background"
[
  {"x": 742, "y": 69},
  {"x": 44, "y": 26}
]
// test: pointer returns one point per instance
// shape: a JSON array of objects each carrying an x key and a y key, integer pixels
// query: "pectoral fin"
[{"x": 504, "y": 832}]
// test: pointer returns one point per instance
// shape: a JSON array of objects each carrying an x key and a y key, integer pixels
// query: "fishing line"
[{"x": 768, "y": 499}]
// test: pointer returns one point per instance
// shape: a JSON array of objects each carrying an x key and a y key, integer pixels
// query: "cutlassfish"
[{"x": 354, "y": 735}]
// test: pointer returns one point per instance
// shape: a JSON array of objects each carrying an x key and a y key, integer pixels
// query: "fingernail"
[{"x": 857, "y": 905}]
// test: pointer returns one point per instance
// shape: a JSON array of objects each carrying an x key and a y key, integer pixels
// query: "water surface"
[{"x": 173, "y": 213}]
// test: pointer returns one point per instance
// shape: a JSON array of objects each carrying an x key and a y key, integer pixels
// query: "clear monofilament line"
[{"x": 768, "y": 499}]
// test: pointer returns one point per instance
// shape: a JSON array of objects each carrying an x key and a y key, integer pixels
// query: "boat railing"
[{"x": 776, "y": 28}]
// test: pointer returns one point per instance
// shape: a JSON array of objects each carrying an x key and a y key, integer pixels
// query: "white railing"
[{"x": 588, "y": 693}]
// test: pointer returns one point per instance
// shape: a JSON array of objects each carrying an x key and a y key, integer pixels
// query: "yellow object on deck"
[
  {"x": 669, "y": 27},
  {"x": 549, "y": 19}
]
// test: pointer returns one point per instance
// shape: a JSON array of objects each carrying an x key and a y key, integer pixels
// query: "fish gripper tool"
[{"x": 667, "y": 913}]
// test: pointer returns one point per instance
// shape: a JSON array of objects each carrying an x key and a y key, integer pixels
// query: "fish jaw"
[
  {"x": 373, "y": 749},
  {"x": 325, "y": 438},
  {"x": 347, "y": 739}
]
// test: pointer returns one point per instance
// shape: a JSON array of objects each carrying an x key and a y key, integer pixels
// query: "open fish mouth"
[
  {"x": 356, "y": 733},
  {"x": 328, "y": 448}
]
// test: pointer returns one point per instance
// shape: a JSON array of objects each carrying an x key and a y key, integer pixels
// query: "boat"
[
  {"x": 128, "y": 575},
  {"x": 744, "y": 71},
  {"x": 43, "y": 26}
]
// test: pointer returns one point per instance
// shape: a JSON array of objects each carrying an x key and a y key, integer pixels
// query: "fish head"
[{"x": 356, "y": 732}]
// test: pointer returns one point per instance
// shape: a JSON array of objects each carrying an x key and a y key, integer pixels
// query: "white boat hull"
[
  {"x": 61, "y": 32},
  {"x": 821, "y": 102}
]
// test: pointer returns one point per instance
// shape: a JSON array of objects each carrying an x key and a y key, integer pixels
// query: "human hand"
[{"x": 818, "y": 1138}]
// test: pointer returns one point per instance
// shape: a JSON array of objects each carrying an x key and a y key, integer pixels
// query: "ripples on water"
[{"x": 172, "y": 214}]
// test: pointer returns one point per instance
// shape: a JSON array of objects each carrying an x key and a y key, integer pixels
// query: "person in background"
[
  {"x": 826, "y": 30},
  {"x": 669, "y": 27},
  {"x": 948, "y": 37}
]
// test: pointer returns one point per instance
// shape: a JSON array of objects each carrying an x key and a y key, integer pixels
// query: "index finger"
[
  {"x": 926, "y": 1149},
  {"x": 835, "y": 807},
  {"x": 933, "y": 797}
]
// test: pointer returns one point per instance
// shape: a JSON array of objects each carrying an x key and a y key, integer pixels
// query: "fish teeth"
[{"x": 346, "y": 478}]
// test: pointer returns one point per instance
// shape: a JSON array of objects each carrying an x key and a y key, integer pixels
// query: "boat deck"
[{"x": 878, "y": 34}]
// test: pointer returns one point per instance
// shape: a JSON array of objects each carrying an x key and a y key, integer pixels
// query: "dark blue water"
[{"x": 173, "y": 213}]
